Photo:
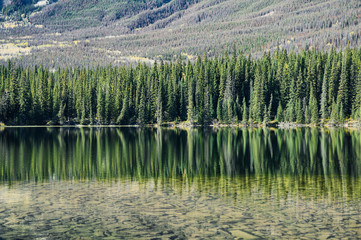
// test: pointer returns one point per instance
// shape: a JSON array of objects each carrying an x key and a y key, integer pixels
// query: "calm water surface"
[{"x": 148, "y": 183}]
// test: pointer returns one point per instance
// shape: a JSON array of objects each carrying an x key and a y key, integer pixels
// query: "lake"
[{"x": 158, "y": 183}]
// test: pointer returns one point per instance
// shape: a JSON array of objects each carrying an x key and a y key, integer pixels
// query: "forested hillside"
[
  {"x": 310, "y": 87},
  {"x": 101, "y": 32}
]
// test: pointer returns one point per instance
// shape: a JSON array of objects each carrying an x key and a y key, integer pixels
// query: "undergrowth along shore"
[{"x": 215, "y": 124}]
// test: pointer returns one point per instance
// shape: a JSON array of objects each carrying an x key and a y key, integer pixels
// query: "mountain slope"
[{"x": 116, "y": 31}]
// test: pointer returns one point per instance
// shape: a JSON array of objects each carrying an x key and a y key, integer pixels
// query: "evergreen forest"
[{"x": 311, "y": 87}]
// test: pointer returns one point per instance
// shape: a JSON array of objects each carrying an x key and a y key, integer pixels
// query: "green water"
[{"x": 149, "y": 183}]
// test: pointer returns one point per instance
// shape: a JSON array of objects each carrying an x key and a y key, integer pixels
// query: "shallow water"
[{"x": 177, "y": 184}]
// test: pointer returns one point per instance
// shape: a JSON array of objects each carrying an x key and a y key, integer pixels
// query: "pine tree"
[
  {"x": 219, "y": 111},
  {"x": 141, "y": 108},
  {"x": 228, "y": 98},
  {"x": 279, "y": 116},
  {"x": 290, "y": 112},
  {"x": 207, "y": 110},
  {"x": 300, "y": 86},
  {"x": 13, "y": 93},
  {"x": 334, "y": 113},
  {"x": 100, "y": 106},
  {"x": 257, "y": 99},
  {"x": 154, "y": 91},
  {"x": 170, "y": 102},
  {"x": 159, "y": 111},
  {"x": 341, "y": 114},
  {"x": 123, "y": 116},
  {"x": 358, "y": 90},
  {"x": 108, "y": 104},
  {"x": 200, "y": 94},
  {"x": 60, "y": 114},
  {"x": 308, "y": 114},
  {"x": 313, "y": 106},
  {"x": 285, "y": 84},
  {"x": 223, "y": 80},
  {"x": 324, "y": 105},
  {"x": 245, "y": 113},
  {"x": 24, "y": 99},
  {"x": 334, "y": 81},
  {"x": 83, "y": 114},
  {"x": 312, "y": 76},
  {"x": 267, "y": 112},
  {"x": 190, "y": 107},
  {"x": 299, "y": 112},
  {"x": 343, "y": 91}
]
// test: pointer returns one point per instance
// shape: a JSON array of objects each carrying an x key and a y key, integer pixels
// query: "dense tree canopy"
[{"x": 310, "y": 87}]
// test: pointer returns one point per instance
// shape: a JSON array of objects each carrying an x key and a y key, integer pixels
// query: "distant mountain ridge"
[{"x": 92, "y": 32}]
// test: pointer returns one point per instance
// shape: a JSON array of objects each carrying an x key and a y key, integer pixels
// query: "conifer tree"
[
  {"x": 279, "y": 116},
  {"x": 228, "y": 98},
  {"x": 24, "y": 99},
  {"x": 313, "y": 108},
  {"x": 334, "y": 81},
  {"x": 219, "y": 110},
  {"x": 190, "y": 107},
  {"x": 290, "y": 112},
  {"x": 257, "y": 100},
  {"x": 267, "y": 112},
  {"x": 13, "y": 93},
  {"x": 245, "y": 112},
  {"x": 341, "y": 114},
  {"x": 358, "y": 90},
  {"x": 299, "y": 112},
  {"x": 142, "y": 108},
  {"x": 324, "y": 105},
  {"x": 207, "y": 105},
  {"x": 300, "y": 86},
  {"x": 100, "y": 106},
  {"x": 124, "y": 113},
  {"x": 344, "y": 91},
  {"x": 83, "y": 114},
  {"x": 308, "y": 114},
  {"x": 334, "y": 113},
  {"x": 159, "y": 111},
  {"x": 60, "y": 114}
]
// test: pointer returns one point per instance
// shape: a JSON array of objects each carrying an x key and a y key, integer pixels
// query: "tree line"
[{"x": 309, "y": 87}]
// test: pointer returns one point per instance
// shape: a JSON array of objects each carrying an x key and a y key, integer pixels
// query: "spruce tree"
[
  {"x": 334, "y": 113},
  {"x": 60, "y": 114},
  {"x": 341, "y": 114},
  {"x": 279, "y": 116},
  {"x": 207, "y": 110},
  {"x": 290, "y": 112},
  {"x": 142, "y": 108},
  {"x": 308, "y": 114},
  {"x": 358, "y": 90},
  {"x": 324, "y": 105},
  {"x": 299, "y": 112},
  {"x": 123, "y": 115},
  {"x": 334, "y": 81},
  {"x": 219, "y": 111},
  {"x": 191, "y": 107},
  {"x": 343, "y": 91},
  {"x": 245, "y": 112},
  {"x": 313, "y": 108},
  {"x": 100, "y": 106},
  {"x": 83, "y": 114},
  {"x": 159, "y": 111},
  {"x": 24, "y": 99}
]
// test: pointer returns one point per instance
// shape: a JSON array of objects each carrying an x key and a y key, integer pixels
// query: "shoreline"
[{"x": 186, "y": 125}]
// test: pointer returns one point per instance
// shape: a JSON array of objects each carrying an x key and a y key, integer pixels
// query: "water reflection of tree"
[{"x": 326, "y": 158}]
